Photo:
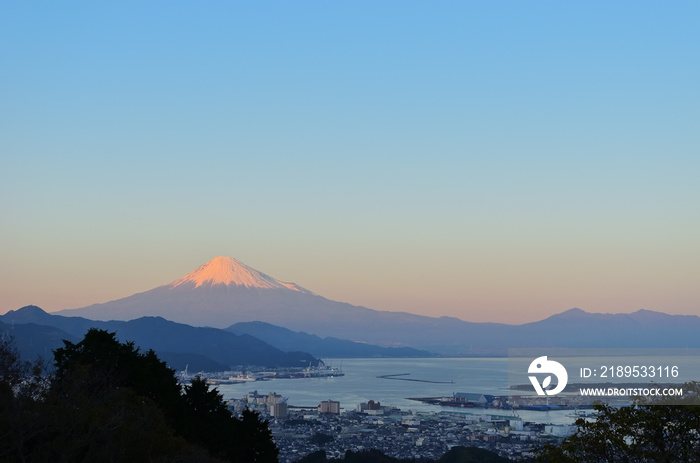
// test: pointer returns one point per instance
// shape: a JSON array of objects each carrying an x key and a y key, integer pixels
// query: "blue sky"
[{"x": 497, "y": 161}]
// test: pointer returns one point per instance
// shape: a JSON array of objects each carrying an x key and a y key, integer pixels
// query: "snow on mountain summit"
[{"x": 229, "y": 271}]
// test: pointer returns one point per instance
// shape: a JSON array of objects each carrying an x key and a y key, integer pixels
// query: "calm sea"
[{"x": 437, "y": 377}]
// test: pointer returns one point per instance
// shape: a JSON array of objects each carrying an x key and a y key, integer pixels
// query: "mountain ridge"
[
  {"x": 177, "y": 340},
  {"x": 328, "y": 347},
  {"x": 218, "y": 302}
]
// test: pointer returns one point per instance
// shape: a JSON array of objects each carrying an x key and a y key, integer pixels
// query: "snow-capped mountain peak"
[{"x": 229, "y": 271}]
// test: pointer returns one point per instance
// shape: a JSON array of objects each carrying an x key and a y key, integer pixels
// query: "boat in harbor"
[
  {"x": 320, "y": 371},
  {"x": 244, "y": 377},
  {"x": 236, "y": 378}
]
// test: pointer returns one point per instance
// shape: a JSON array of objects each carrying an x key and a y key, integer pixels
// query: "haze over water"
[{"x": 361, "y": 384}]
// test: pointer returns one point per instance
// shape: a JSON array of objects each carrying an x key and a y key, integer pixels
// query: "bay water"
[{"x": 366, "y": 379}]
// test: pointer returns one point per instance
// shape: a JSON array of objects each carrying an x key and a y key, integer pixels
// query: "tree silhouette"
[
  {"x": 16, "y": 405},
  {"x": 643, "y": 432},
  {"x": 108, "y": 402},
  {"x": 255, "y": 439}
]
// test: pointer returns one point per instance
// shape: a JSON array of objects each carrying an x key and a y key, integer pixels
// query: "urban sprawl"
[{"x": 401, "y": 434}]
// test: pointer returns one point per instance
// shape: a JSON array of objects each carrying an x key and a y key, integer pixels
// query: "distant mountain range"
[
  {"x": 34, "y": 340},
  {"x": 224, "y": 292},
  {"x": 208, "y": 349},
  {"x": 288, "y": 340},
  {"x": 37, "y": 333}
]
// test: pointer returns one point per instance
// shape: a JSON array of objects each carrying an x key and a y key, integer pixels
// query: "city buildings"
[{"x": 329, "y": 406}]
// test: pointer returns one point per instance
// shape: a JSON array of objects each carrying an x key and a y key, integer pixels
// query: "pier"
[{"x": 395, "y": 377}]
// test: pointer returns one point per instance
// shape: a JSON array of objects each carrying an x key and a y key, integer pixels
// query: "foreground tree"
[
  {"x": 458, "y": 454},
  {"x": 640, "y": 433},
  {"x": 108, "y": 402},
  {"x": 461, "y": 454},
  {"x": 20, "y": 384},
  {"x": 209, "y": 423}
]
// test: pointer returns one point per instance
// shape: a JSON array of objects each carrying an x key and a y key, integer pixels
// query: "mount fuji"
[
  {"x": 224, "y": 292},
  {"x": 220, "y": 293},
  {"x": 231, "y": 272}
]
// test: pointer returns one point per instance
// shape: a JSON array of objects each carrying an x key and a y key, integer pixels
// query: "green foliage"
[
  {"x": 100, "y": 362},
  {"x": 461, "y": 454},
  {"x": 315, "y": 457},
  {"x": 368, "y": 456},
  {"x": 20, "y": 385},
  {"x": 639, "y": 433},
  {"x": 108, "y": 402},
  {"x": 321, "y": 439},
  {"x": 209, "y": 423},
  {"x": 254, "y": 439},
  {"x": 12, "y": 369},
  {"x": 108, "y": 425},
  {"x": 375, "y": 456}
]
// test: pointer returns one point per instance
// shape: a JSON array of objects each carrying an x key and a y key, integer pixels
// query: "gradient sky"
[{"x": 493, "y": 161}]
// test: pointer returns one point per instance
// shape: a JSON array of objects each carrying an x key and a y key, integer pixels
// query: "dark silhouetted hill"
[
  {"x": 288, "y": 340},
  {"x": 179, "y": 344}
]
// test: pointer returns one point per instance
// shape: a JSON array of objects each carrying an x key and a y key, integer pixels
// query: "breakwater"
[{"x": 400, "y": 377}]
